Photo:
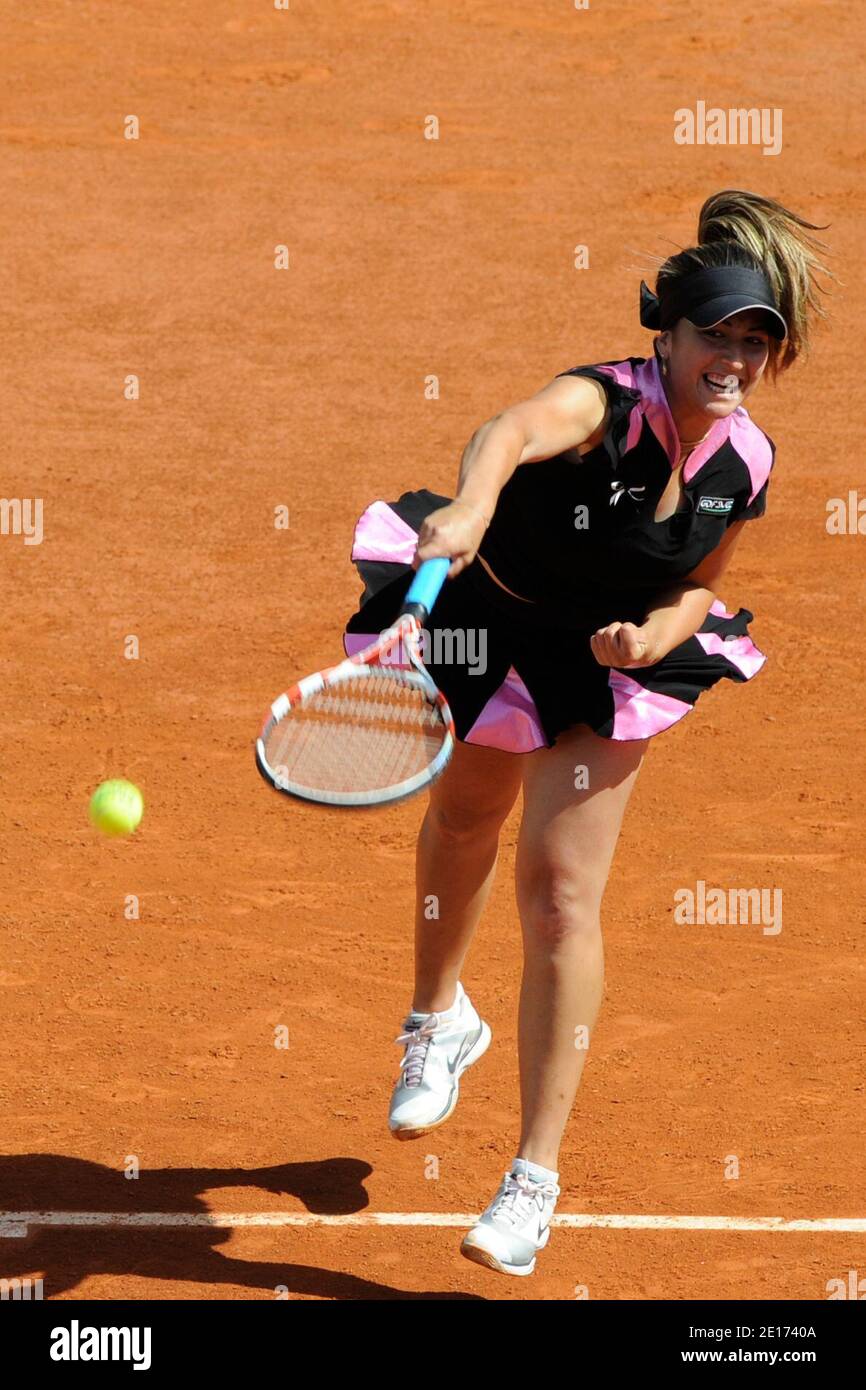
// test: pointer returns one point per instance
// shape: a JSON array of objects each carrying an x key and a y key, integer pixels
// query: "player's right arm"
[{"x": 567, "y": 412}]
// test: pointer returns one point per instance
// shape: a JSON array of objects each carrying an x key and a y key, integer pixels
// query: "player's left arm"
[{"x": 676, "y": 613}]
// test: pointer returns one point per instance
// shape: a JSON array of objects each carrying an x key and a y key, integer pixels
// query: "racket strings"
[
  {"x": 370, "y": 732},
  {"x": 336, "y": 705}
]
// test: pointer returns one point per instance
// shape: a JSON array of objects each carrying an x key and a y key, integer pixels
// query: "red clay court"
[{"x": 151, "y": 1036}]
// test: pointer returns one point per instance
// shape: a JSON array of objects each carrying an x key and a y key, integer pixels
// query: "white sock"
[
  {"x": 534, "y": 1170},
  {"x": 447, "y": 1015}
]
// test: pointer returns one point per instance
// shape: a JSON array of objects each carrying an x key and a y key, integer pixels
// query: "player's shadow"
[{"x": 187, "y": 1254}]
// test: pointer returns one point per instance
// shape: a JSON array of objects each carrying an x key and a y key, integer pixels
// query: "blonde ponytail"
[{"x": 740, "y": 228}]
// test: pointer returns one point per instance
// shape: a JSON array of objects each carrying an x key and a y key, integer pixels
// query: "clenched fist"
[{"x": 622, "y": 645}]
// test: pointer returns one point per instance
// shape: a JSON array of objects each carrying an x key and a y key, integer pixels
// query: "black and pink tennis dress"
[{"x": 576, "y": 538}]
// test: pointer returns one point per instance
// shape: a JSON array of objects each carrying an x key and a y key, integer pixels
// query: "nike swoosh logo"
[
  {"x": 466, "y": 1047},
  {"x": 539, "y": 1227}
]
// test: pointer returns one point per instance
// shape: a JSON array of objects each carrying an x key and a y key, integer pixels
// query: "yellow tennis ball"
[{"x": 116, "y": 807}]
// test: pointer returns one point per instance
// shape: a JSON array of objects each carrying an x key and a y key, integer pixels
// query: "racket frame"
[{"x": 405, "y": 633}]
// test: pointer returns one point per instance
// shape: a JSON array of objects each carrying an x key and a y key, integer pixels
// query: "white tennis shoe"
[
  {"x": 436, "y": 1055},
  {"x": 515, "y": 1226}
]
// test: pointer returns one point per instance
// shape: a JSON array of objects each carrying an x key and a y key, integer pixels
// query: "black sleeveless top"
[{"x": 576, "y": 534}]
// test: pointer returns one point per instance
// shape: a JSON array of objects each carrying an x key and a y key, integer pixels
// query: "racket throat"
[{"x": 416, "y": 611}]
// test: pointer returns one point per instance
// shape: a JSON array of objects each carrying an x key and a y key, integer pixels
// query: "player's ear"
[{"x": 662, "y": 346}]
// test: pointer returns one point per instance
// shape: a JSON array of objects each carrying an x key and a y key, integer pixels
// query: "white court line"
[{"x": 16, "y": 1223}]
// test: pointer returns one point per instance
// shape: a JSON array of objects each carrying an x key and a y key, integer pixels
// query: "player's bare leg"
[
  {"x": 456, "y": 864},
  {"x": 564, "y": 852}
]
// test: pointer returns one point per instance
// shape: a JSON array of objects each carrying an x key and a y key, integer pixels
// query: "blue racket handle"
[{"x": 425, "y": 587}]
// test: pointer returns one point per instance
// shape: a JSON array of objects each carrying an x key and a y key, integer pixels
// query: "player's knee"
[
  {"x": 556, "y": 908},
  {"x": 467, "y": 819}
]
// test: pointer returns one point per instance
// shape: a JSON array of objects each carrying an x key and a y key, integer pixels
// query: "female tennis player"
[{"x": 590, "y": 532}]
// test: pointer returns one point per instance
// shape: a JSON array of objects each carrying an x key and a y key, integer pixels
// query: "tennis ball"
[{"x": 116, "y": 807}]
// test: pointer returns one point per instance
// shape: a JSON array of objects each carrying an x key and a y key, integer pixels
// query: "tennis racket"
[{"x": 371, "y": 730}]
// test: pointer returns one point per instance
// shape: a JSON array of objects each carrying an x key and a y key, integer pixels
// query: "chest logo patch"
[{"x": 718, "y": 506}]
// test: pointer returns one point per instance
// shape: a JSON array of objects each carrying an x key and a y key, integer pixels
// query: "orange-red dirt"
[{"x": 154, "y": 1037}]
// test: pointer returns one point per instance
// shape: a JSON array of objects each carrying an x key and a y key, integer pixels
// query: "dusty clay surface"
[{"x": 153, "y": 1036}]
